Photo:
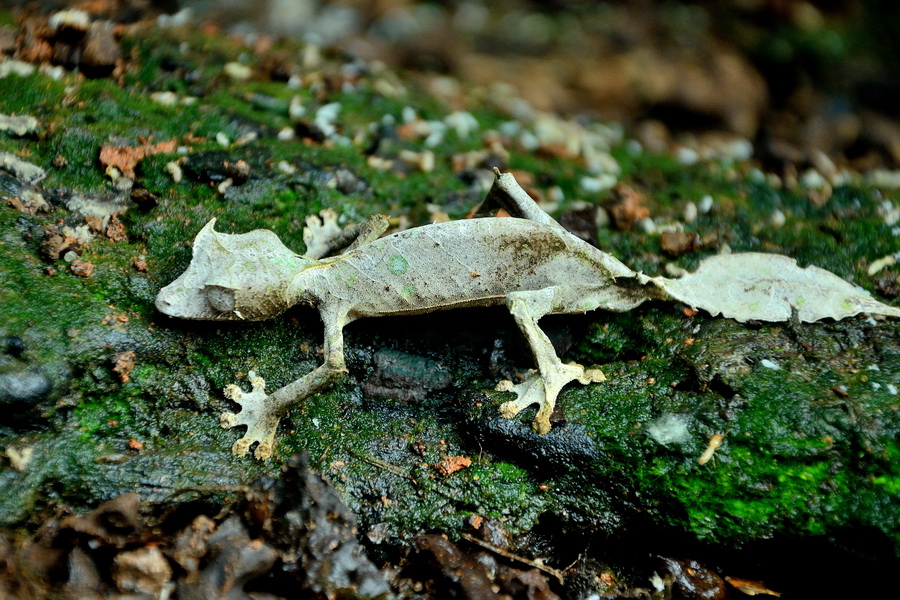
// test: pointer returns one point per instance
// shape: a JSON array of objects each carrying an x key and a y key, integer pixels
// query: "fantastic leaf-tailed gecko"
[{"x": 528, "y": 262}]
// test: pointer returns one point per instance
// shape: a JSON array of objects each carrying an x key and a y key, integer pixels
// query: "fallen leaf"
[
  {"x": 452, "y": 464},
  {"x": 115, "y": 231},
  {"x": 124, "y": 364},
  {"x": 626, "y": 207},
  {"x": 82, "y": 268},
  {"x": 126, "y": 158}
]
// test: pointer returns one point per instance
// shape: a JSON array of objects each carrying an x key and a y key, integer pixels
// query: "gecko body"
[
  {"x": 476, "y": 262},
  {"x": 529, "y": 263}
]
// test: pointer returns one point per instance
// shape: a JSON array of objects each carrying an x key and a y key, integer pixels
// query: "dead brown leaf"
[
  {"x": 126, "y": 158},
  {"x": 452, "y": 464},
  {"x": 626, "y": 207},
  {"x": 82, "y": 268},
  {"x": 115, "y": 231},
  {"x": 124, "y": 364}
]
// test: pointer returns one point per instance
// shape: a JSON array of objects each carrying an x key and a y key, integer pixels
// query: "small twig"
[
  {"x": 207, "y": 489},
  {"x": 573, "y": 563},
  {"x": 384, "y": 465},
  {"x": 515, "y": 557},
  {"x": 325, "y": 453}
]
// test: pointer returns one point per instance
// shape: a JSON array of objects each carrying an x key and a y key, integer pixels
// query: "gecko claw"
[
  {"x": 263, "y": 451},
  {"x": 593, "y": 376}
]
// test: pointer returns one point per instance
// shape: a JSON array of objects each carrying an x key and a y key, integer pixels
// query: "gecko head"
[{"x": 233, "y": 277}]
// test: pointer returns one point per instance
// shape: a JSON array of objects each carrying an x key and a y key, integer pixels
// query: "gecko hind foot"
[
  {"x": 542, "y": 391},
  {"x": 261, "y": 423}
]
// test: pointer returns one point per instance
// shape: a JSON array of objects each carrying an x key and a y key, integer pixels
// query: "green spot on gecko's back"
[
  {"x": 409, "y": 291},
  {"x": 397, "y": 265}
]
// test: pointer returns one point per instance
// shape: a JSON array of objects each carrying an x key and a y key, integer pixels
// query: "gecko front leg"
[{"x": 261, "y": 412}]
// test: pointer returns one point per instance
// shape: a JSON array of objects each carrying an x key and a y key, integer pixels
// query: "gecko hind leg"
[{"x": 543, "y": 386}]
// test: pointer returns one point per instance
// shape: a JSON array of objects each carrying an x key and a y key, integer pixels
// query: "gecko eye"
[{"x": 220, "y": 298}]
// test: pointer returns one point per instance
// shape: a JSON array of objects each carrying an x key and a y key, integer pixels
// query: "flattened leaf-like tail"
[{"x": 769, "y": 287}]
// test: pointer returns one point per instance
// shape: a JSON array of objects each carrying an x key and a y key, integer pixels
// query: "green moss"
[
  {"x": 29, "y": 297},
  {"x": 36, "y": 95},
  {"x": 792, "y": 449}
]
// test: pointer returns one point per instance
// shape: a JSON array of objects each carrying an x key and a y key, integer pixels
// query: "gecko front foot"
[
  {"x": 543, "y": 390},
  {"x": 255, "y": 414},
  {"x": 320, "y": 232}
]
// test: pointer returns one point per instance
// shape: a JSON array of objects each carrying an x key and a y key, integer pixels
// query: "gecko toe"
[
  {"x": 241, "y": 447},
  {"x": 510, "y": 409},
  {"x": 329, "y": 216},
  {"x": 257, "y": 383},
  {"x": 592, "y": 376},
  {"x": 227, "y": 420},
  {"x": 263, "y": 451},
  {"x": 541, "y": 426},
  {"x": 256, "y": 395}
]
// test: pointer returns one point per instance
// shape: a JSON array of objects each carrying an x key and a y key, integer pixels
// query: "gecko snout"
[
  {"x": 163, "y": 304},
  {"x": 170, "y": 303}
]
